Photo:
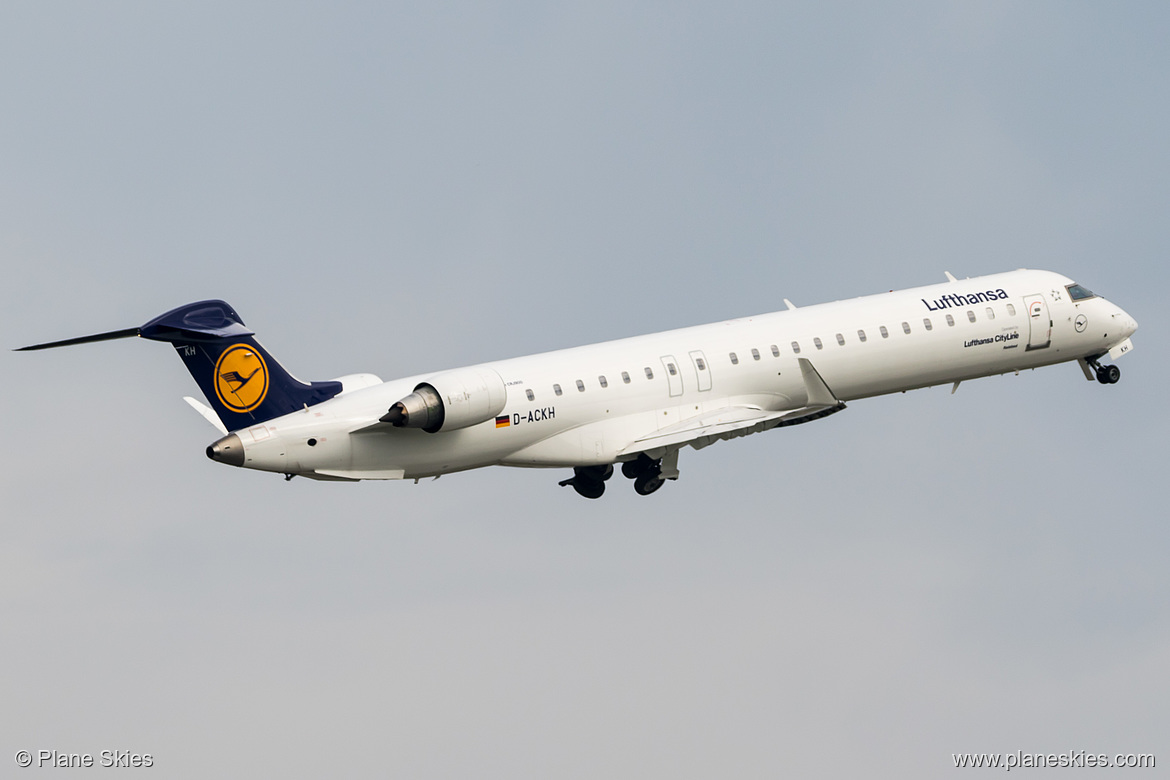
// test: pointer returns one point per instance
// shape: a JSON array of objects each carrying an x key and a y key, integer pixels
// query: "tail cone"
[{"x": 229, "y": 450}]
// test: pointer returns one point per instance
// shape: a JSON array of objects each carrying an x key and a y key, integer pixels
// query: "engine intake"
[{"x": 451, "y": 400}]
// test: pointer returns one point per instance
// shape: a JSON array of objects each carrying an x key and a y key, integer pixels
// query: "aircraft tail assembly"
[{"x": 243, "y": 383}]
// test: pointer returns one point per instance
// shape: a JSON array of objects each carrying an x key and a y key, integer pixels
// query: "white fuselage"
[{"x": 614, "y": 394}]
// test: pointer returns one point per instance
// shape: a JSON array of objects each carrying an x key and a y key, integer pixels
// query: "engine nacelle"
[{"x": 451, "y": 400}]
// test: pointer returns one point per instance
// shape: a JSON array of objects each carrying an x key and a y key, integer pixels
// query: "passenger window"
[
  {"x": 861, "y": 336},
  {"x": 971, "y": 316},
  {"x": 840, "y": 340},
  {"x": 626, "y": 377},
  {"x": 649, "y": 373},
  {"x": 557, "y": 389},
  {"x": 796, "y": 347},
  {"x": 530, "y": 394},
  {"x": 905, "y": 327},
  {"x": 926, "y": 323},
  {"x": 734, "y": 358},
  {"x": 580, "y": 386},
  {"x": 990, "y": 313},
  {"x": 775, "y": 351},
  {"x": 701, "y": 364},
  {"x": 950, "y": 321},
  {"x": 885, "y": 333},
  {"x": 670, "y": 368},
  {"x": 601, "y": 380},
  {"x": 755, "y": 354},
  {"x": 817, "y": 343},
  {"x": 1011, "y": 310}
]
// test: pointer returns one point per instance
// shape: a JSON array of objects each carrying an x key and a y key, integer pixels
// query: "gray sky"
[{"x": 395, "y": 189}]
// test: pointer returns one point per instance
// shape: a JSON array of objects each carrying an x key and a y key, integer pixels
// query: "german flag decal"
[{"x": 503, "y": 422}]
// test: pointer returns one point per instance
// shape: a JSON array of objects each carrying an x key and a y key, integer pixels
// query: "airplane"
[{"x": 633, "y": 402}]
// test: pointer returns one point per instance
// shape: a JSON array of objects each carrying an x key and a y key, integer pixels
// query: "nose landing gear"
[{"x": 1106, "y": 375}]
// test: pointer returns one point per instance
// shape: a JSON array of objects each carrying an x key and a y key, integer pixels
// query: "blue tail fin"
[{"x": 243, "y": 383}]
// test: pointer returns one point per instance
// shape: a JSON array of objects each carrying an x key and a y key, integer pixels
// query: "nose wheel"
[{"x": 1106, "y": 375}]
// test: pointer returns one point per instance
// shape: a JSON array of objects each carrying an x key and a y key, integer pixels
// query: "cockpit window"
[{"x": 1078, "y": 293}]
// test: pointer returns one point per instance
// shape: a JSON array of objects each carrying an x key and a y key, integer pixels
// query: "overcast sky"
[{"x": 400, "y": 188}]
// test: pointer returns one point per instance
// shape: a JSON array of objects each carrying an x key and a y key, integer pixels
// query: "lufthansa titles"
[
  {"x": 1007, "y": 339},
  {"x": 953, "y": 300}
]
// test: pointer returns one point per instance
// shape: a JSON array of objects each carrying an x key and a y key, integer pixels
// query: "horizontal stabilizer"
[{"x": 125, "y": 333}]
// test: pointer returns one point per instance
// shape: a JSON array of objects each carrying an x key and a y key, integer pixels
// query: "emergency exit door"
[{"x": 673, "y": 375}]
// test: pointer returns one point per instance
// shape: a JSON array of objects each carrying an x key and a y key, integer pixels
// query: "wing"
[
  {"x": 734, "y": 421},
  {"x": 724, "y": 424}
]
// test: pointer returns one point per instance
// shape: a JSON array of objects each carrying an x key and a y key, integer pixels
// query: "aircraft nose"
[
  {"x": 1128, "y": 323},
  {"x": 229, "y": 450}
]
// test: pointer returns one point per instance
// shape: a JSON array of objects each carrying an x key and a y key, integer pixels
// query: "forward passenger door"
[{"x": 1039, "y": 322}]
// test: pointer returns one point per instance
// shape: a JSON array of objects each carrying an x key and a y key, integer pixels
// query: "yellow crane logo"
[{"x": 241, "y": 378}]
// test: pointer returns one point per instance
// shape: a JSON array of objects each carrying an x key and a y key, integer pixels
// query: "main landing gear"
[
  {"x": 1106, "y": 375},
  {"x": 646, "y": 473},
  {"x": 589, "y": 481},
  {"x": 649, "y": 474}
]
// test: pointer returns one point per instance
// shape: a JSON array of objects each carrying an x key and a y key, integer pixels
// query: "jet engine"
[{"x": 451, "y": 400}]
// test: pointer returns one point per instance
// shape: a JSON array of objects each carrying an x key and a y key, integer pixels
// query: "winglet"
[{"x": 819, "y": 393}]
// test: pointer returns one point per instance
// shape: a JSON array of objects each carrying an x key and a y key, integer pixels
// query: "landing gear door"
[{"x": 1039, "y": 322}]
